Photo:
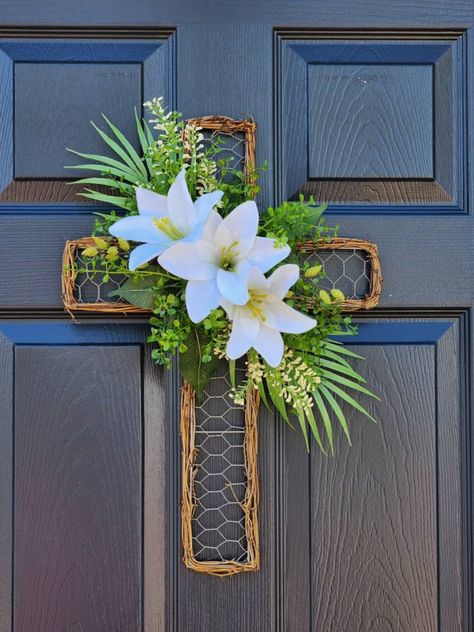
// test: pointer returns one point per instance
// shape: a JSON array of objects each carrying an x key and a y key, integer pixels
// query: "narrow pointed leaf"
[
  {"x": 263, "y": 395},
  {"x": 337, "y": 410},
  {"x": 105, "y": 182},
  {"x": 304, "y": 429},
  {"x": 144, "y": 142},
  {"x": 314, "y": 429},
  {"x": 342, "y": 369},
  {"x": 325, "y": 353},
  {"x": 110, "y": 162},
  {"x": 339, "y": 348},
  {"x": 121, "y": 202},
  {"x": 118, "y": 150},
  {"x": 105, "y": 170},
  {"x": 276, "y": 398},
  {"x": 148, "y": 133},
  {"x": 128, "y": 146},
  {"x": 325, "y": 417},
  {"x": 334, "y": 377},
  {"x": 350, "y": 400}
]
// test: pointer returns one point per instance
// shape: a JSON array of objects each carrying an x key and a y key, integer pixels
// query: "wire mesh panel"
[
  {"x": 349, "y": 265},
  {"x": 220, "y": 491},
  {"x": 84, "y": 289},
  {"x": 234, "y": 140}
]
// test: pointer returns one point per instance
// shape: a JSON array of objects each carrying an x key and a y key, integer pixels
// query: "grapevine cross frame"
[{"x": 219, "y": 521}]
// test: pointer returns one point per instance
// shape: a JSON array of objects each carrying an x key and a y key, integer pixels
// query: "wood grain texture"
[
  {"x": 6, "y": 118},
  {"x": 375, "y": 534},
  {"x": 357, "y": 121},
  {"x": 57, "y": 87},
  {"x": 225, "y": 67},
  {"x": 154, "y": 498},
  {"x": 370, "y": 121},
  {"x": 43, "y": 191},
  {"x": 337, "y": 14},
  {"x": 78, "y": 445},
  {"x": 6, "y": 482},
  {"x": 211, "y": 85},
  {"x": 54, "y": 104},
  {"x": 380, "y": 192}
]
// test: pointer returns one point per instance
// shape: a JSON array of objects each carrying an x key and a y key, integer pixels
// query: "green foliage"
[
  {"x": 297, "y": 221},
  {"x": 139, "y": 291},
  {"x": 315, "y": 384},
  {"x": 193, "y": 367}
]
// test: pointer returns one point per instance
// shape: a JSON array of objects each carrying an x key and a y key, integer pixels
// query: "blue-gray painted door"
[{"x": 366, "y": 105}]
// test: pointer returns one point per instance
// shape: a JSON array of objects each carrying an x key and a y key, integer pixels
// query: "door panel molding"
[
  {"x": 444, "y": 461},
  {"x": 147, "y": 461},
  {"x": 380, "y": 78},
  {"x": 71, "y": 76}
]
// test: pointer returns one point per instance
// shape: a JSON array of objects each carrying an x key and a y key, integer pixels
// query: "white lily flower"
[
  {"x": 217, "y": 266},
  {"x": 164, "y": 220},
  {"x": 258, "y": 323}
]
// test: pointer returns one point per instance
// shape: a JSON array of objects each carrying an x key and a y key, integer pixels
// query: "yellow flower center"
[
  {"x": 255, "y": 304},
  {"x": 166, "y": 226},
  {"x": 229, "y": 256}
]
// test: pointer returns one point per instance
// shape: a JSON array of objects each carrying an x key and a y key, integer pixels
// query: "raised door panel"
[
  {"x": 370, "y": 123},
  {"x": 82, "y": 457},
  {"x": 383, "y": 524},
  {"x": 52, "y": 88}
]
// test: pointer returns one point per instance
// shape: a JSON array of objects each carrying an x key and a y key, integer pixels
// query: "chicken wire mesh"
[
  {"x": 218, "y": 523},
  {"x": 230, "y": 147},
  {"x": 89, "y": 286},
  {"x": 348, "y": 270}
]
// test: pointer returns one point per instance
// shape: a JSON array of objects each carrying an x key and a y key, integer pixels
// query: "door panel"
[
  {"x": 76, "y": 483},
  {"x": 398, "y": 484},
  {"x": 368, "y": 107},
  {"x": 52, "y": 89},
  {"x": 372, "y": 123}
]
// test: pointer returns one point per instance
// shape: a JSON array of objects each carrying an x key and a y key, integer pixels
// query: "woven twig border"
[
  {"x": 250, "y": 503},
  {"x": 68, "y": 281},
  {"x": 230, "y": 126},
  {"x": 347, "y": 243}
]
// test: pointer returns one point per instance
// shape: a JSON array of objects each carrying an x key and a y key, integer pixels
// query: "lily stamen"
[
  {"x": 256, "y": 300},
  {"x": 166, "y": 226},
  {"x": 228, "y": 257}
]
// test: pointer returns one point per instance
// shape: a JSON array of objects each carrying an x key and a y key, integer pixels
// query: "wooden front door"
[{"x": 365, "y": 105}]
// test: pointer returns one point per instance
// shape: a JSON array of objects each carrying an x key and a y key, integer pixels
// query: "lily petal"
[
  {"x": 233, "y": 285},
  {"x": 283, "y": 278},
  {"x": 190, "y": 261},
  {"x": 201, "y": 298},
  {"x": 151, "y": 203},
  {"x": 243, "y": 336},
  {"x": 138, "y": 228},
  {"x": 205, "y": 203},
  {"x": 239, "y": 228},
  {"x": 144, "y": 253},
  {"x": 180, "y": 205},
  {"x": 264, "y": 255},
  {"x": 269, "y": 345},
  {"x": 229, "y": 308},
  {"x": 212, "y": 223},
  {"x": 257, "y": 281},
  {"x": 289, "y": 320}
]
